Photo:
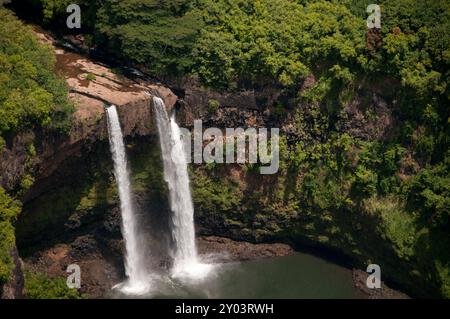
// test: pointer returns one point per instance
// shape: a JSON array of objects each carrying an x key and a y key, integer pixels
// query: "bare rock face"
[
  {"x": 170, "y": 99},
  {"x": 12, "y": 160},
  {"x": 368, "y": 120},
  {"x": 94, "y": 86},
  {"x": 238, "y": 251},
  {"x": 198, "y": 101}
]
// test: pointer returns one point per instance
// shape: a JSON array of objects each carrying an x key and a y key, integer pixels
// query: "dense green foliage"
[
  {"x": 234, "y": 43},
  {"x": 276, "y": 42},
  {"x": 156, "y": 34},
  {"x": 9, "y": 210},
  {"x": 31, "y": 95},
  {"x": 374, "y": 199},
  {"x": 40, "y": 286},
  {"x": 345, "y": 193}
]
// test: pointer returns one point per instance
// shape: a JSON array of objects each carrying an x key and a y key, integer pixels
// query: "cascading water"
[
  {"x": 138, "y": 279},
  {"x": 186, "y": 263}
]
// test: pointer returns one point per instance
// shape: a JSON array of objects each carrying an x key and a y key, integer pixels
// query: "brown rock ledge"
[
  {"x": 239, "y": 250},
  {"x": 359, "y": 280},
  {"x": 92, "y": 87}
]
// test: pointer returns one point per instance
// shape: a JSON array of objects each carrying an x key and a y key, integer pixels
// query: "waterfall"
[
  {"x": 186, "y": 262},
  {"x": 138, "y": 281}
]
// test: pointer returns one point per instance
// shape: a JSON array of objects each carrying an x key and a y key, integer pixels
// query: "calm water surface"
[{"x": 295, "y": 276}]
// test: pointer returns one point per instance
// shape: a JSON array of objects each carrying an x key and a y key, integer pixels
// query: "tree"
[
  {"x": 31, "y": 95},
  {"x": 156, "y": 34}
]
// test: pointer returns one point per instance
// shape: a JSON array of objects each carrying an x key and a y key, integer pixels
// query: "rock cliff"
[{"x": 59, "y": 161}]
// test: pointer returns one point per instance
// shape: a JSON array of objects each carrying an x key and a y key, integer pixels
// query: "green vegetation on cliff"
[
  {"x": 347, "y": 194},
  {"x": 40, "y": 286},
  {"x": 31, "y": 97},
  {"x": 279, "y": 42},
  {"x": 383, "y": 200},
  {"x": 382, "y": 196},
  {"x": 9, "y": 210},
  {"x": 157, "y": 34}
]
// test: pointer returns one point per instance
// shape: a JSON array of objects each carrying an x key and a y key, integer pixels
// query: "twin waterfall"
[
  {"x": 134, "y": 266},
  {"x": 186, "y": 264}
]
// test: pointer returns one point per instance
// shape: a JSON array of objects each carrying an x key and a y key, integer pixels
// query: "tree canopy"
[{"x": 31, "y": 95}]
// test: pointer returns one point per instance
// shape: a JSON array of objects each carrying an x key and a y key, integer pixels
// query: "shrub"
[
  {"x": 9, "y": 210},
  {"x": 213, "y": 106},
  {"x": 40, "y": 286},
  {"x": 30, "y": 93},
  {"x": 90, "y": 77}
]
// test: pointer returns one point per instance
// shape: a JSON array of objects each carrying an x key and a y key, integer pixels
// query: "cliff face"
[
  {"x": 313, "y": 200},
  {"x": 71, "y": 213},
  {"x": 72, "y": 165}
]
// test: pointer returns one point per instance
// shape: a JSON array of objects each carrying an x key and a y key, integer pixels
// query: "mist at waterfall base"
[{"x": 187, "y": 265}]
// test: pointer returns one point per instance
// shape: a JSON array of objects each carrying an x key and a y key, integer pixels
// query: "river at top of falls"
[
  {"x": 138, "y": 281},
  {"x": 186, "y": 261}
]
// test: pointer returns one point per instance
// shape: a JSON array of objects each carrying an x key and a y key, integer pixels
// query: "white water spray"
[
  {"x": 138, "y": 279},
  {"x": 186, "y": 263}
]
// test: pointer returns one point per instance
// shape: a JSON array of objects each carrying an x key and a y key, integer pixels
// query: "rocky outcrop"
[
  {"x": 370, "y": 114},
  {"x": 240, "y": 250},
  {"x": 13, "y": 158},
  {"x": 92, "y": 87},
  {"x": 360, "y": 281},
  {"x": 197, "y": 101},
  {"x": 99, "y": 270}
]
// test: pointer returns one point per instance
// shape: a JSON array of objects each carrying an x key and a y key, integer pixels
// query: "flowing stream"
[{"x": 135, "y": 268}]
